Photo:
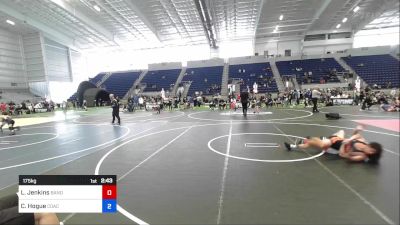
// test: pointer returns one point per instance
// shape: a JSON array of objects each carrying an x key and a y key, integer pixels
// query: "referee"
[
  {"x": 115, "y": 109},
  {"x": 315, "y": 96},
  {"x": 244, "y": 98}
]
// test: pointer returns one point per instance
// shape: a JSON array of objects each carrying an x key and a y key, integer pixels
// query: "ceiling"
[{"x": 140, "y": 24}]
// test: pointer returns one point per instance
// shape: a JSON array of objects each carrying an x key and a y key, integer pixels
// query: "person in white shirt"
[
  {"x": 162, "y": 94},
  {"x": 315, "y": 96},
  {"x": 393, "y": 93},
  {"x": 255, "y": 88},
  {"x": 140, "y": 102}
]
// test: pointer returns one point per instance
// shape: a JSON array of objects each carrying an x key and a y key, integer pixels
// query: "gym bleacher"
[
  {"x": 376, "y": 69},
  {"x": 97, "y": 78},
  {"x": 119, "y": 83},
  {"x": 158, "y": 79},
  {"x": 255, "y": 72},
  {"x": 320, "y": 68},
  {"x": 204, "y": 79},
  {"x": 73, "y": 97}
]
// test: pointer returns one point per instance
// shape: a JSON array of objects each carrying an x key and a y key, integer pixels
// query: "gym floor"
[{"x": 212, "y": 167}]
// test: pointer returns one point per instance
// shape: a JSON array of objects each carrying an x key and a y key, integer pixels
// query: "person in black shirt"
[
  {"x": 115, "y": 109},
  {"x": 130, "y": 105},
  {"x": 367, "y": 103},
  {"x": 244, "y": 98},
  {"x": 221, "y": 104}
]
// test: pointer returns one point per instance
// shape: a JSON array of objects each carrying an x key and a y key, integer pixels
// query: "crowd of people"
[
  {"x": 307, "y": 77},
  {"x": 306, "y": 98},
  {"x": 312, "y": 97},
  {"x": 213, "y": 89},
  {"x": 159, "y": 103},
  {"x": 26, "y": 107}
]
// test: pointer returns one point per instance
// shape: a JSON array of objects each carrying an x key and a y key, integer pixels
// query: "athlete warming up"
[{"x": 10, "y": 122}]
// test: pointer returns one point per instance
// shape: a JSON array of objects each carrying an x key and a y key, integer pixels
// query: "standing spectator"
[
  {"x": 169, "y": 104},
  {"x": 315, "y": 96},
  {"x": 11, "y": 108},
  {"x": 199, "y": 100},
  {"x": 3, "y": 108},
  {"x": 393, "y": 93},
  {"x": 140, "y": 101},
  {"x": 233, "y": 104},
  {"x": 84, "y": 105},
  {"x": 130, "y": 105},
  {"x": 367, "y": 103}
]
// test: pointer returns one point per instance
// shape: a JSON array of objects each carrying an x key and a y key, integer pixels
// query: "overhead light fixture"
[
  {"x": 338, "y": 26},
  {"x": 97, "y": 8},
  {"x": 344, "y": 20},
  {"x": 10, "y": 22},
  {"x": 277, "y": 27},
  {"x": 334, "y": 31},
  {"x": 356, "y": 9},
  {"x": 281, "y": 17},
  {"x": 90, "y": 39}
]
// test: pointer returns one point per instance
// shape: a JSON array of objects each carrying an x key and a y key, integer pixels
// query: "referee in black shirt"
[
  {"x": 244, "y": 98},
  {"x": 115, "y": 109}
]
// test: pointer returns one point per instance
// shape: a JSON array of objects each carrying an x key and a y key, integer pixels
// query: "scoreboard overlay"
[{"x": 67, "y": 194}]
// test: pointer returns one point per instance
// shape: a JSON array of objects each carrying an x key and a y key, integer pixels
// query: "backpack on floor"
[{"x": 333, "y": 116}]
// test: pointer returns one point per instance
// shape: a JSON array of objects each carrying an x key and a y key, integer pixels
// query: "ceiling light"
[
  {"x": 338, "y": 26},
  {"x": 96, "y": 7},
  {"x": 356, "y": 9},
  {"x": 10, "y": 22},
  {"x": 90, "y": 39},
  {"x": 277, "y": 26},
  {"x": 334, "y": 31},
  {"x": 344, "y": 20},
  {"x": 281, "y": 17}
]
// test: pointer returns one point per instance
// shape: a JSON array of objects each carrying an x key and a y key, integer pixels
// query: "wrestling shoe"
[
  {"x": 288, "y": 147},
  {"x": 299, "y": 141}
]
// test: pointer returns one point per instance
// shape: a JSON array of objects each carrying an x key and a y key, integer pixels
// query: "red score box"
[{"x": 109, "y": 191}]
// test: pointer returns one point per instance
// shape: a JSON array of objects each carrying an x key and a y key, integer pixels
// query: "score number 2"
[{"x": 109, "y": 198}]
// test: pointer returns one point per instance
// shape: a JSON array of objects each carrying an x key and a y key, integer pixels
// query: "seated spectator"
[
  {"x": 394, "y": 106},
  {"x": 388, "y": 84}
]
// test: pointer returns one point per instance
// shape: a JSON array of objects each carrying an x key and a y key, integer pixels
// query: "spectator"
[
  {"x": 3, "y": 108},
  {"x": 389, "y": 85}
]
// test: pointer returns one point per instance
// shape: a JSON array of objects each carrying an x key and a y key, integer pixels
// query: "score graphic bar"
[{"x": 67, "y": 193}]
